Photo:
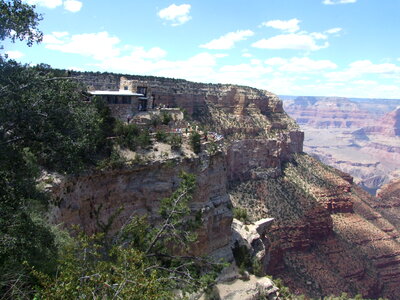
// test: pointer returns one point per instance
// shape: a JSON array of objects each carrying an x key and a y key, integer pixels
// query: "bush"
[
  {"x": 131, "y": 136},
  {"x": 161, "y": 136},
  {"x": 155, "y": 120},
  {"x": 195, "y": 142},
  {"x": 166, "y": 118},
  {"x": 175, "y": 140},
  {"x": 144, "y": 139},
  {"x": 240, "y": 214}
]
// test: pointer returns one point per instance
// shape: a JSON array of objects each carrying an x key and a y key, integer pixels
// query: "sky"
[{"x": 347, "y": 48}]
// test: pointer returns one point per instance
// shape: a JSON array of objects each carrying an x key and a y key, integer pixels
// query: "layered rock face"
[
  {"x": 389, "y": 202},
  {"x": 388, "y": 125},
  {"x": 327, "y": 236},
  {"x": 359, "y": 137},
  {"x": 327, "y": 112},
  {"x": 92, "y": 199}
]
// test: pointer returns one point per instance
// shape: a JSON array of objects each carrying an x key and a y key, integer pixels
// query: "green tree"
[
  {"x": 19, "y": 21},
  {"x": 195, "y": 142},
  {"x": 43, "y": 123}
]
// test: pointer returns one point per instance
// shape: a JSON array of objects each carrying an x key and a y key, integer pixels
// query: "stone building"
[{"x": 133, "y": 97}]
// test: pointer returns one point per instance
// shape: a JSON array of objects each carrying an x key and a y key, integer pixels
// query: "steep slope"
[
  {"x": 389, "y": 202},
  {"x": 326, "y": 237}
]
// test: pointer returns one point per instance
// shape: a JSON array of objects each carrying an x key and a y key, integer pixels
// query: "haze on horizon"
[{"x": 347, "y": 48}]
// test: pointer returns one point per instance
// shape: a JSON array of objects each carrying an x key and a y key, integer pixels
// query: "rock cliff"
[
  {"x": 358, "y": 136},
  {"x": 388, "y": 125},
  {"x": 328, "y": 235},
  {"x": 90, "y": 200}
]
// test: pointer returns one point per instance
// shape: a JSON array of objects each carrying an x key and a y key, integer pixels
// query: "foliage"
[
  {"x": 131, "y": 136},
  {"x": 144, "y": 139},
  {"x": 175, "y": 140},
  {"x": 155, "y": 120},
  {"x": 86, "y": 271},
  {"x": 166, "y": 118},
  {"x": 47, "y": 115},
  {"x": 45, "y": 123},
  {"x": 212, "y": 147},
  {"x": 240, "y": 214},
  {"x": 161, "y": 136},
  {"x": 114, "y": 161},
  {"x": 195, "y": 142},
  {"x": 19, "y": 21},
  {"x": 138, "y": 263},
  {"x": 126, "y": 135}
]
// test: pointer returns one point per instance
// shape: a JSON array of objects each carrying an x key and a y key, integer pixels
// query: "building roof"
[{"x": 115, "y": 93}]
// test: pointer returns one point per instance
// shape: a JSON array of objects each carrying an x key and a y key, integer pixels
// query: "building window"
[
  {"x": 111, "y": 99},
  {"x": 142, "y": 90},
  {"x": 125, "y": 87},
  {"x": 126, "y": 100}
]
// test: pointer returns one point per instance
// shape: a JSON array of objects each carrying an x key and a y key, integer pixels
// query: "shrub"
[
  {"x": 195, "y": 142},
  {"x": 175, "y": 140},
  {"x": 240, "y": 214},
  {"x": 144, "y": 139},
  {"x": 155, "y": 120},
  {"x": 161, "y": 136},
  {"x": 166, "y": 118},
  {"x": 126, "y": 135}
]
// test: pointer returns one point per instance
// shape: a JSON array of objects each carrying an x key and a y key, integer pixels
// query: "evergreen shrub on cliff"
[{"x": 195, "y": 142}]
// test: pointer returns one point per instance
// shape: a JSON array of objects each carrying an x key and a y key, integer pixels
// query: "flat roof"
[{"x": 115, "y": 93}]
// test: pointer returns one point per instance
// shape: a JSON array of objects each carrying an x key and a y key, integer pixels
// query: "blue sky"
[{"x": 344, "y": 48}]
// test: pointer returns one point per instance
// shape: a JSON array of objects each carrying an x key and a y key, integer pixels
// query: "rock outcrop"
[
  {"x": 252, "y": 238},
  {"x": 90, "y": 200},
  {"x": 328, "y": 235}
]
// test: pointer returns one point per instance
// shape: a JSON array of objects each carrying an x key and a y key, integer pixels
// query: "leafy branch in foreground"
[
  {"x": 143, "y": 262},
  {"x": 19, "y": 21}
]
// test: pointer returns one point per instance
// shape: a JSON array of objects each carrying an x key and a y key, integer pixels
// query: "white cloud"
[
  {"x": 14, "y": 54},
  {"x": 176, "y": 14},
  {"x": 54, "y": 38},
  {"x": 332, "y": 2},
  {"x": 45, "y": 3},
  {"x": 255, "y": 61},
  {"x": 248, "y": 55},
  {"x": 318, "y": 36},
  {"x": 301, "y": 41},
  {"x": 97, "y": 45},
  {"x": 300, "y": 64},
  {"x": 364, "y": 82},
  {"x": 366, "y": 66},
  {"x": 59, "y": 34},
  {"x": 275, "y": 61},
  {"x": 363, "y": 67},
  {"x": 291, "y": 25},
  {"x": 73, "y": 5},
  {"x": 228, "y": 40},
  {"x": 333, "y": 30}
]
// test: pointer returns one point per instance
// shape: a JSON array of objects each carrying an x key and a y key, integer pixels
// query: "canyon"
[
  {"x": 325, "y": 234},
  {"x": 357, "y": 136}
]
